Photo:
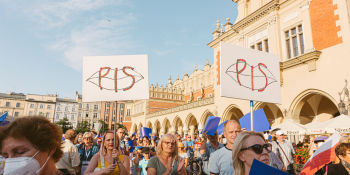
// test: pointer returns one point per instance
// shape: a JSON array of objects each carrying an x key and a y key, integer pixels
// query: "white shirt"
[{"x": 70, "y": 157}]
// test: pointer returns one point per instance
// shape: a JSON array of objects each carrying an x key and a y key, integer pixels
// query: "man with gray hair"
[
  {"x": 220, "y": 161},
  {"x": 70, "y": 161}
]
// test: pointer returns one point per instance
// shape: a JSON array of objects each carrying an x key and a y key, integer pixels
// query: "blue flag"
[
  {"x": 3, "y": 116},
  {"x": 259, "y": 168},
  {"x": 145, "y": 132},
  {"x": 211, "y": 125},
  {"x": 261, "y": 123},
  {"x": 221, "y": 128}
]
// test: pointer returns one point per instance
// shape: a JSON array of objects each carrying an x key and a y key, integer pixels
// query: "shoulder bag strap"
[{"x": 283, "y": 152}]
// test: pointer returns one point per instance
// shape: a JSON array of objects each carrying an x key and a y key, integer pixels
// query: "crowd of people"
[{"x": 34, "y": 145}]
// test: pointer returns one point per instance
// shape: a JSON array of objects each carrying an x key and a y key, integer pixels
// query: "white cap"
[{"x": 279, "y": 132}]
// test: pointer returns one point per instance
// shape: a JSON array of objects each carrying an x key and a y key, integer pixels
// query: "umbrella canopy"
[
  {"x": 340, "y": 124},
  {"x": 320, "y": 138},
  {"x": 290, "y": 127},
  {"x": 315, "y": 127},
  {"x": 261, "y": 123}
]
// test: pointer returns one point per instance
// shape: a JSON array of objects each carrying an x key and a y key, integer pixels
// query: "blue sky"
[{"x": 42, "y": 42}]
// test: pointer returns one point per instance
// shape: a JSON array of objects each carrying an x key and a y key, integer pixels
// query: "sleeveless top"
[{"x": 102, "y": 164}]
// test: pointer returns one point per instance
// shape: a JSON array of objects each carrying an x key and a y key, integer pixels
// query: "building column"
[{"x": 185, "y": 130}]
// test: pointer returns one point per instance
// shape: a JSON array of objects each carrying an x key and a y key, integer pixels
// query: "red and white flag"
[{"x": 323, "y": 155}]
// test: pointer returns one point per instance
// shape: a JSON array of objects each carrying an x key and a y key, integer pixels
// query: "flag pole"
[
  {"x": 114, "y": 131},
  {"x": 251, "y": 115}
]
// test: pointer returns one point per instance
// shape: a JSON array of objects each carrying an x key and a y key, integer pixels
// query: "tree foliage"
[
  {"x": 64, "y": 124},
  {"x": 83, "y": 126}
]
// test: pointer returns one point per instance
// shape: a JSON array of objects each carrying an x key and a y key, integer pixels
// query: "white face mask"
[{"x": 23, "y": 165}]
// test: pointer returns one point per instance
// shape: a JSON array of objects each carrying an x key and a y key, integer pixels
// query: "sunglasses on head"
[{"x": 258, "y": 149}]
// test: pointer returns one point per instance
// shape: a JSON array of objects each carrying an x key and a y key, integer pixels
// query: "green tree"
[
  {"x": 64, "y": 124},
  {"x": 83, "y": 127}
]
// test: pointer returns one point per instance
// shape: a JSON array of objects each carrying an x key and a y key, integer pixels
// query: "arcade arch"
[
  {"x": 156, "y": 129},
  {"x": 192, "y": 124},
  {"x": 166, "y": 126},
  {"x": 232, "y": 112},
  {"x": 178, "y": 125},
  {"x": 205, "y": 116},
  {"x": 149, "y": 125},
  {"x": 273, "y": 113},
  {"x": 313, "y": 105}
]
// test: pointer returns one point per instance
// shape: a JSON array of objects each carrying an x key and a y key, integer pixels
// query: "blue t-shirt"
[
  {"x": 188, "y": 144},
  {"x": 143, "y": 164},
  {"x": 220, "y": 162}
]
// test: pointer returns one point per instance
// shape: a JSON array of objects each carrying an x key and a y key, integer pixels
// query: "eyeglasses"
[
  {"x": 88, "y": 138},
  {"x": 169, "y": 142},
  {"x": 258, "y": 149}
]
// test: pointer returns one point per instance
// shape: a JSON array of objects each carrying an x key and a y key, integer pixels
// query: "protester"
[
  {"x": 78, "y": 139},
  {"x": 182, "y": 152},
  {"x": 247, "y": 147},
  {"x": 137, "y": 157},
  {"x": 220, "y": 161},
  {"x": 285, "y": 150},
  {"x": 123, "y": 144},
  {"x": 167, "y": 160},
  {"x": 70, "y": 161},
  {"x": 207, "y": 149},
  {"x": 109, "y": 160},
  {"x": 31, "y": 145},
  {"x": 147, "y": 143},
  {"x": 197, "y": 146},
  {"x": 86, "y": 151},
  {"x": 342, "y": 151},
  {"x": 144, "y": 162},
  {"x": 189, "y": 144}
]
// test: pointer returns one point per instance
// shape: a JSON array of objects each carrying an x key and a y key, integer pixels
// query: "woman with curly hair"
[{"x": 31, "y": 145}]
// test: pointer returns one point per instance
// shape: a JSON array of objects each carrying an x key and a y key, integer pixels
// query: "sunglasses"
[
  {"x": 169, "y": 143},
  {"x": 88, "y": 138},
  {"x": 258, "y": 149}
]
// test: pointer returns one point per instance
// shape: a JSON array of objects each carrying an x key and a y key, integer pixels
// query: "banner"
[
  {"x": 261, "y": 123},
  {"x": 211, "y": 125},
  {"x": 249, "y": 74},
  {"x": 259, "y": 168},
  {"x": 113, "y": 78},
  {"x": 145, "y": 132}
]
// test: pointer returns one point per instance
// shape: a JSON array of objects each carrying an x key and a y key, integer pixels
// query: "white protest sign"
[
  {"x": 249, "y": 74},
  {"x": 113, "y": 78}
]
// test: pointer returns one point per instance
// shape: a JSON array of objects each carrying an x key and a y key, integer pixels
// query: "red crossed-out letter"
[
  {"x": 132, "y": 76},
  {"x": 100, "y": 75},
  {"x": 240, "y": 71},
  {"x": 262, "y": 64}
]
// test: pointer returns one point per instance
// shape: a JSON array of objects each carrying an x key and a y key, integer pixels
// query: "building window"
[
  {"x": 41, "y": 106},
  {"x": 57, "y": 117},
  {"x": 80, "y": 105},
  {"x": 107, "y": 111},
  {"x": 294, "y": 41},
  {"x": 48, "y": 106},
  {"x": 66, "y": 109},
  {"x": 30, "y": 113},
  {"x": 31, "y": 105},
  {"x": 87, "y": 115},
  {"x": 72, "y": 117},
  {"x": 107, "y": 104},
  {"x": 266, "y": 43},
  {"x": 18, "y": 105},
  {"x": 96, "y": 107},
  {"x": 16, "y": 114},
  {"x": 95, "y": 115},
  {"x": 262, "y": 45},
  {"x": 65, "y": 115},
  {"x": 47, "y": 115},
  {"x": 79, "y": 115},
  {"x": 58, "y": 108},
  {"x": 7, "y": 104},
  {"x": 128, "y": 112},
  {"x": 73, "y": 109},
  {"x": 87, "y": 106},
  {"x": 122, "y": 105}
]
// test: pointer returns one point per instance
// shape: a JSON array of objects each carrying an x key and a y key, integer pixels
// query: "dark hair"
[
  {"x": 341, "y": 149},
  {"x": 146, "y": 138},
  {"x": 145, "y": 150},
  {"x": 39, "y": 131}
]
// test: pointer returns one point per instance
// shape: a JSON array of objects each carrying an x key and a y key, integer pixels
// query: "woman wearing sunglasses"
[{"x": 247, "y": 147}]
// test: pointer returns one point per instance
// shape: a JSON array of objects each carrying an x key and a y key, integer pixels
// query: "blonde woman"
[
  {"x": 109, "y": 161},
  {"x": 182, "y": 152},
  {"x": 247, "y": 147},
  {"x": 167, "y": 160}
]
